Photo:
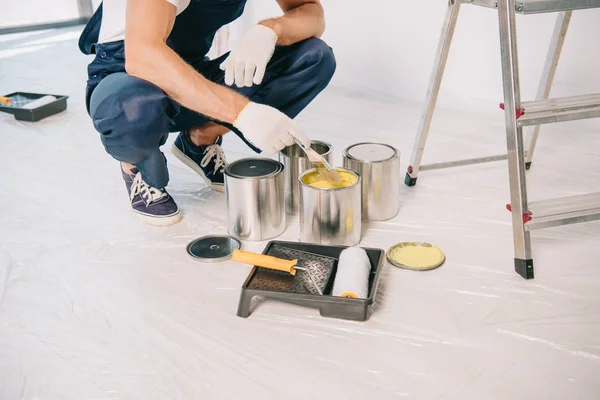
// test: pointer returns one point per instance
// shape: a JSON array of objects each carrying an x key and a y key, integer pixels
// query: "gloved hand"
[
  {"x": 247, "y": 61},
  {"x": 268, "y": 129}
]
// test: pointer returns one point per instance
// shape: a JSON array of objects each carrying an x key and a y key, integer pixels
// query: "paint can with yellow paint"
[
  {"x": 378, "y": 164},
  {"x": 330, "y": 214},
  {"x": 295, "y": 162}
]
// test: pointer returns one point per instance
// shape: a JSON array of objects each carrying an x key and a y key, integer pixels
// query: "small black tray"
[
  {"x": 19, "y": 99},
  {"x": 328, "y": 305}
]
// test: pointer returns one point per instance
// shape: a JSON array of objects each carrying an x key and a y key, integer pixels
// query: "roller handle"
[{"x": 262, "y": 260}]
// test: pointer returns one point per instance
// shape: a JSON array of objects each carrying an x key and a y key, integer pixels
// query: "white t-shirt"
[{"x": 113, "y": 18}]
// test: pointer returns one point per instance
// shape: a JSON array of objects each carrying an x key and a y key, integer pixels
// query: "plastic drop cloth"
[{"x": 95, "y": 305}]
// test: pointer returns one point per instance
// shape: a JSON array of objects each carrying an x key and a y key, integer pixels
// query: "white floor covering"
[{"x": 95, "y": 305}]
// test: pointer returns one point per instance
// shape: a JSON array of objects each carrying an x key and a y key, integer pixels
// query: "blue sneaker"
[
  {"x": 153, "y": 206},
  {"x": 208, "y": 161}
]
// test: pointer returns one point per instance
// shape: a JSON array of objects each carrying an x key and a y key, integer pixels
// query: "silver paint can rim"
[
  {"x": 303, "y": 156},
  {"x": 394, "y": 156},
  {"x": 308, "y": 171},
  {"x": 277, "y": 164}
]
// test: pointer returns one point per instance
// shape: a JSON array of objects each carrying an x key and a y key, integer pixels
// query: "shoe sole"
[
  {"x": 190, "y": 163},
  {"x": 159, "y": 221}
]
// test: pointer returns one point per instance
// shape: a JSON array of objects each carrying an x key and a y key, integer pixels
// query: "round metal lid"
[
  {"x": 417, "y": 256},
  {"x": 254, "y": 168},
  {"x": 213, "y": 248},
  {"x": 371, "y": 152}
]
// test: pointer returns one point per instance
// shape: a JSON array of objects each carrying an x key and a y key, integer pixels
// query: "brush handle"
[
  {"x": 312, "y": 155},
  {"x": 261, "y": 260}
]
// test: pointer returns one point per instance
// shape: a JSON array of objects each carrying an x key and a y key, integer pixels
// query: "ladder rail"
[
  {"x": 527, "y": 7},
  {"x": 433, "y": 89},
  {"x": 514, "y": 137},
  {"x": 557, "y": 41}
]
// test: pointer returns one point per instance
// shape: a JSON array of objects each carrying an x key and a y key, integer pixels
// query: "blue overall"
[{"x": 134, "y": 117}]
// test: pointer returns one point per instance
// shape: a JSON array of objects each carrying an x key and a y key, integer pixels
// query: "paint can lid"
[
  {"x": 371, "y": 152},
  {"x": 253, "y": 168},
  {"x": 417, "y": 256},
  {"x": 213, "y": 248}
]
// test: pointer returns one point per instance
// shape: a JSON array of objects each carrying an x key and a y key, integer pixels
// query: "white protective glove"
[
  {"x": 247, "y": 61},
  {"x": 268, "y": 129}
]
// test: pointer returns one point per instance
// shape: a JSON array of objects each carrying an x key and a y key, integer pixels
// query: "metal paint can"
[
  {"x": 378, "y": 164},
  {"x": 254, "y": 190},
  {"x": 330, "y": 216},
  {"x": 295, "y": 163}
]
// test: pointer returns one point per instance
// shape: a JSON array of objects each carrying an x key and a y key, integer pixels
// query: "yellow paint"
[
  {"x": 417, "y": 256},
  {"x": 314, "y": 179}
]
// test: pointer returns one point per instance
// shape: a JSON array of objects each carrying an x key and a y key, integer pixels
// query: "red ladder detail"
[
  {"x": 519, "y": 112},
  {"x": 526, "y": 217}
]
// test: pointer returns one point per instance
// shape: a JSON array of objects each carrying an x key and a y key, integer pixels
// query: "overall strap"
[{"x": 91, "y": 32}]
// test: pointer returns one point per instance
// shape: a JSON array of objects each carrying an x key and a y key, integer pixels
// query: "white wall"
[
  {"x": 389, "y": 46},
  {"x": 29, "y": 12}
]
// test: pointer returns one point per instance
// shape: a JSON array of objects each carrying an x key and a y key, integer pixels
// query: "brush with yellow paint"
[
  {"x": 325, "y": 170},
  {"x": 5, "y": 100}
]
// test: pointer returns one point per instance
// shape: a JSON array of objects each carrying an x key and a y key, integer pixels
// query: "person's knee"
[
  {"x": 322, "y": 57},
  {"x": 131, "y": 114}
]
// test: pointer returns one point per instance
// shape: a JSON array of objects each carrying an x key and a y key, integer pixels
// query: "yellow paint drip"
[
  {"x": 314, "y": 179},
  {"x": 419, "y": 256}
]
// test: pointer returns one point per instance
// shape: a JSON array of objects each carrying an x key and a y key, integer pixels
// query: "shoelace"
[
  {"x": 147, "y": 193},
  {"x": 214, "y": 151}
]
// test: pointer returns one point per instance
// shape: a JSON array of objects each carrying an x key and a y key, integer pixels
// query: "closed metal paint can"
[
  {"x": 295, "y": 163},
  {"x": 330, "y": 215},
  {"x": 254, "y": 189},
  {"x": 378, "y": 164}
]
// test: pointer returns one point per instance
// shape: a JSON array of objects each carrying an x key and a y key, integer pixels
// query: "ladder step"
[
  {"x": 540, "y": 6},
  {"x": 460, "y": 163},
  {"x": 558, "y": 110},
  {"x": 564, "y": 211}
]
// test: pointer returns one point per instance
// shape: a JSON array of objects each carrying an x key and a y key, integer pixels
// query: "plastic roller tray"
[
  {"x": 328, "y": 305},
  {"x": 19, "y": 99}
]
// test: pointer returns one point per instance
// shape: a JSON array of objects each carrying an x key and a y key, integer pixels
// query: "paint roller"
[
  {"x": 42, "y": 101},
  {"x": 352, "y": 276},
  {"x": 351, "y": 279}
]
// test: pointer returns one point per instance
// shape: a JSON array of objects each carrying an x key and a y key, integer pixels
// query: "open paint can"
[
  {"x": 330, "y": 214},
  {"x": 295, "y": 163},
  {"x": 378, "y": 165},
  {"x": 254, "y": 189}
]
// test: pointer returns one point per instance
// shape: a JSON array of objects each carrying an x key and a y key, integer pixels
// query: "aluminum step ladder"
[{"x": 525, "y": 216}]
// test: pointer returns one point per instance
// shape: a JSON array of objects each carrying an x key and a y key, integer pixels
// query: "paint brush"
[
  {"x": 5, "y": 100},
  {"x": 321, "y": 165}
]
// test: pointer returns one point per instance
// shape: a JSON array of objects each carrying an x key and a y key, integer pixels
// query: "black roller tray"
[
  {"x": 19, "y": 99},
  {"x": 328, "y": 305}
]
